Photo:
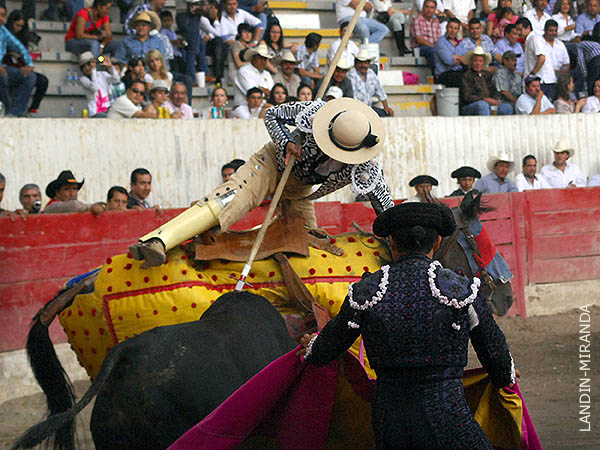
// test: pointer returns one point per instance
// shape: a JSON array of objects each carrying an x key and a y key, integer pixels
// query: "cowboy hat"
[
  {"x": 287, "y": 56},
  {"x": 348, "y": 131},
  {"x": 479, "y": 51},
  {"x": 260, "y": 50},
  {"x": 86, "y": 57},
  {"x": 343, "y": 64},
  {"x": 561, "y": 146},
  {"x": 363, "y": 55},
  {"x": 65, "y": 177},
  {"x": 142, "y": 17},
  {"x": 158, "y": 85},
  {"x": 504, "y": 158}
]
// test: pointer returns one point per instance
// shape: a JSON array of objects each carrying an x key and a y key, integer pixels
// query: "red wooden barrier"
[{"x": 545, "y": 236}]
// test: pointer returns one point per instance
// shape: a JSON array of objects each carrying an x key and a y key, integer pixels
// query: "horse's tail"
[{"x": 64, "y": 420}]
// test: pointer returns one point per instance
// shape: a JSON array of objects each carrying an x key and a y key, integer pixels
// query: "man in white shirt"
[
  {"x": 557, "y": 56},
  {"x": 528, "y": 179},
  {"x": 349, "y": 52},
  {"x": 537, "y": 16},
  {"x": 253, "y": 74},
  {"x": 463, "y": 10},
  {"x": 128, "y": 106},
  {"x": 533, "y": 101},
  {"x": 535, "y": 51},
  {"x": 560, "y": 174},
  {"x": 368, "y": 30},
  {"x": 178, "y": 108},
  {"x": 232, "y": 17},
  {"x": 254, "y": 105}
]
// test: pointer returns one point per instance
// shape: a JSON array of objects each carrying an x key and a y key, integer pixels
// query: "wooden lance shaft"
[{"x": 286, "y": 173}]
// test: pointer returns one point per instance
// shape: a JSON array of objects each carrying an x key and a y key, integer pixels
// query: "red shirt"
[{"x": 89, "y": 27}]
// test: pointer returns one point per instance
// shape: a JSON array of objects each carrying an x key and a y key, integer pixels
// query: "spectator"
[
  {"x": 253, "y": 74},
  {"x": 128, "y": 106},
  {"x": 340, "y": 79},
  {"x": 365, "y": 84},
  {"x": 304, "y": 93},
  {"x": 178, "y": 106},
  {"x": 257, "y": 9},
  {"x": 276, "y": 43},
  {"x": 63, "y": 193},
  {"x": 492, "y": 24},
  {"x": 116, "y": 199},
  {"x": 367, "y": 30},
  {"x": 349, "y": 52},
  {"x": 462, "y": 10},
  {"x": 90, "y": 31},
  {"x": 136, "y": 71},
  {"x": 3, "y": 212},
  {"x": 394, "y": 19},
  {"x": 563, "y": 13},
  {"x": 254, "y": 106},
  {"x": 465, "y": 177},
  {"x": 188, "y": 23},
  {"x": 333, "y": 93},
  {"x": 230, "y": 168},
  {"x": 177, "y": 64},
  {"x": 140, "y": 189},
  {"x": 286, "y": 75},
  {"x": 478, "y": 94},
  {"x": 497, "y": 181},
  {"x": 141, "y": 42},
  {"x": 423, "y": 185},
  {"x": 425, "y": 32},
  {"x": 449, "y": 56},
  {"x": 159, "y": 96},
  {"x": 560, "y": 62},
  {"x": 279, "y": 95},
  {"x": 97, "y": 84},
  {"x": 210, "y": 31},
  {"x": 218, "y": 100},
  {"x": 528, "y": 179},
  {"x": 538, "y": 57},
  {"x": 231, "y": 17},
  {"x": 234, "y": 57},
  {"x": 564, "y": 89},
  {"x": 308, "y": 67},
  {"x": 21, "y": 80},
  {"x": 507, "y": 81},
  {"x": 476, "y": 39},
  {"x": 588, "y": 60},
  {"x": 594, "y": 180},
  {"x": 148, "y": 5},
  {"x": 510, "y": 42},
  {"x": 537, "y": 16},
  {"x": 156, "y": 69},
  {"x": 533, "y": 101},
  {"x": 30, "y": 198},
  {"x": 592, "y": 104},
  {"x": 155, "y": 32},
  {"x": 562, "y": 174},
  {"x": 17, "y": 25},
  {"x": 585, "y": 22}
]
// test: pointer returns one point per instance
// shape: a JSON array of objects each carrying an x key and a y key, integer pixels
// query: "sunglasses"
[{"x": 137, "y": 91}]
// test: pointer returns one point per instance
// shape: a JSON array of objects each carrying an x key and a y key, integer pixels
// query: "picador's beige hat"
[
  {"x": 561, "y": 146},
  {"x": 348, "y": 131}
]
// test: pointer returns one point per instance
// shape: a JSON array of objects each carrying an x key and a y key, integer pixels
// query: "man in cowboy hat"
[
  {"x": 423, "y": 184},
  {"x": 465, "y": 177},
  {"x": 478, "y": 94},
  {"x": 151, "y": 5},
  {"x": 497, "y": 181},
  {"x": 253, "y": 74},
  {"x": 63, "y": 194},
  {"x": 340, "y": 79},
  {"x": 286, "y": 75},
  {"x": 365, "y": 84},
  {"x": 562, "y": 174},
  {"x": 141, "y": 42},
  {"x": 339, "y": 140}
]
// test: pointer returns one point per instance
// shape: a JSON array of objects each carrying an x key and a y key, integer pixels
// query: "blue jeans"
[
  {"x": 78, "y": 46},
  {"x": 195, "y": 52},
  {"x": 369, "y": 29},
  {"x": 482, "y": 108},
  {"x": 21, "y": 87},
  {"x": 428, "y": 53}
]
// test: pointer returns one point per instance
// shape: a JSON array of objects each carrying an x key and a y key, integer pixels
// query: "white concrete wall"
[{"x": 185, "y": 156}]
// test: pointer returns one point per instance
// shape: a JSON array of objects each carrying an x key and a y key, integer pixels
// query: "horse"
[{"x": 97, "y": 314}]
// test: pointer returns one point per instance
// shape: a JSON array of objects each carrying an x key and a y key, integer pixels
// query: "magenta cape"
[{"x": 292, "y": 405}]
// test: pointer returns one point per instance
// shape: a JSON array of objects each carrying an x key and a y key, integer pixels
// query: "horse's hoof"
[
  {"x": 136, "y": 251},
  {"x": 153, "y": 252}
]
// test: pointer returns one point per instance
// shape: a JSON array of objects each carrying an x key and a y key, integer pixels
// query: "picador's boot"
[
  {"x": 399, "y": 36},
  {"x": 200, "y": 217}
]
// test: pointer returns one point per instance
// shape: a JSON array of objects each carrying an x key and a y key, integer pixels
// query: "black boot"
[{"x": 399, "y": 36}]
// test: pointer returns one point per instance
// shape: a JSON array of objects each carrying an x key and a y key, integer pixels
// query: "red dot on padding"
[
  {"x": 323, "y": 255},
  {"x": 184, "y": 272},
  {"x": 73, "y": 333},
  {"x": 174, "y": 309},
  {"x": 108, "y": 260},
  {"x": 93, "y": 350},
  {"x": 212, "y": 301},
  {"x": 214, "y": 278},
  {"x": 351, "y": 239},
  {"x": 232, "y": 275},
  {"x": 86, "y": 332},
  {"x": 371, "y": 241},
  {"x": 127, "y": 266},
  {"x": 69, "y": 313},
  {"x": 137, "y": 315},
  {"x": 331, "y": 302},
  {"x": 165, "y": 278},
  {"x": 155, "y": 312},
  {"x": 120, "y": 317},
  {"x": 80, "y": 313},
  {"x": 332, "y": 241},
  {"x": 129, "y": 255},
  {"x": 108, "y": 349},
  {"x": 312, "y": 271},
  {"x": 109, "y": 289},
  {"x": 359, "y": 253},
  {"x": 146, "y": 279},
  {"x": 366, "y": 269},
  {"x": 348, "y": 269},
  {"x": 101, "y": 330},
  {"x": 184, "y": 257},
  {"x": 194, "y": 305},
  {"x": 128, "y": 283},
  {"x": 94, "y": 311},
  {"x": 109, "y": 270},
  {"x": 376, "y": 253},
  {"x": 271, "y": 274},
  {"x": 125, "y": 338},
  {"x": 199, "y": 275},
  {"x": 330, "y": 270},
  {"x": 252, "y": 274}
]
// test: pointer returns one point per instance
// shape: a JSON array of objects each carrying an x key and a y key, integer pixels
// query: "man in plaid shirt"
[{"x": 425, "y": 31}]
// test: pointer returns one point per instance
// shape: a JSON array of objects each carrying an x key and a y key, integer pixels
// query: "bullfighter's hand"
[{"x": 292, "y": 149}]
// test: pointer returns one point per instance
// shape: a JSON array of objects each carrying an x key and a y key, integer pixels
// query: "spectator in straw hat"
[
  {"x": 562, "y": 174},
  {"x": 478, "y": 94},
  {"x": 423, "y": 185},
  {"x": 340, "y": 78},
  {"x": 253, "y": 74},
  {"x": 141, "y": 42},
  {"x": 159, "y": 96},
  {"x": 465, "y": 177},
  {"x": 286, "y": 75},
  {"x": 497, "y": 181},
  {"x": 366, "y": 85}
]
